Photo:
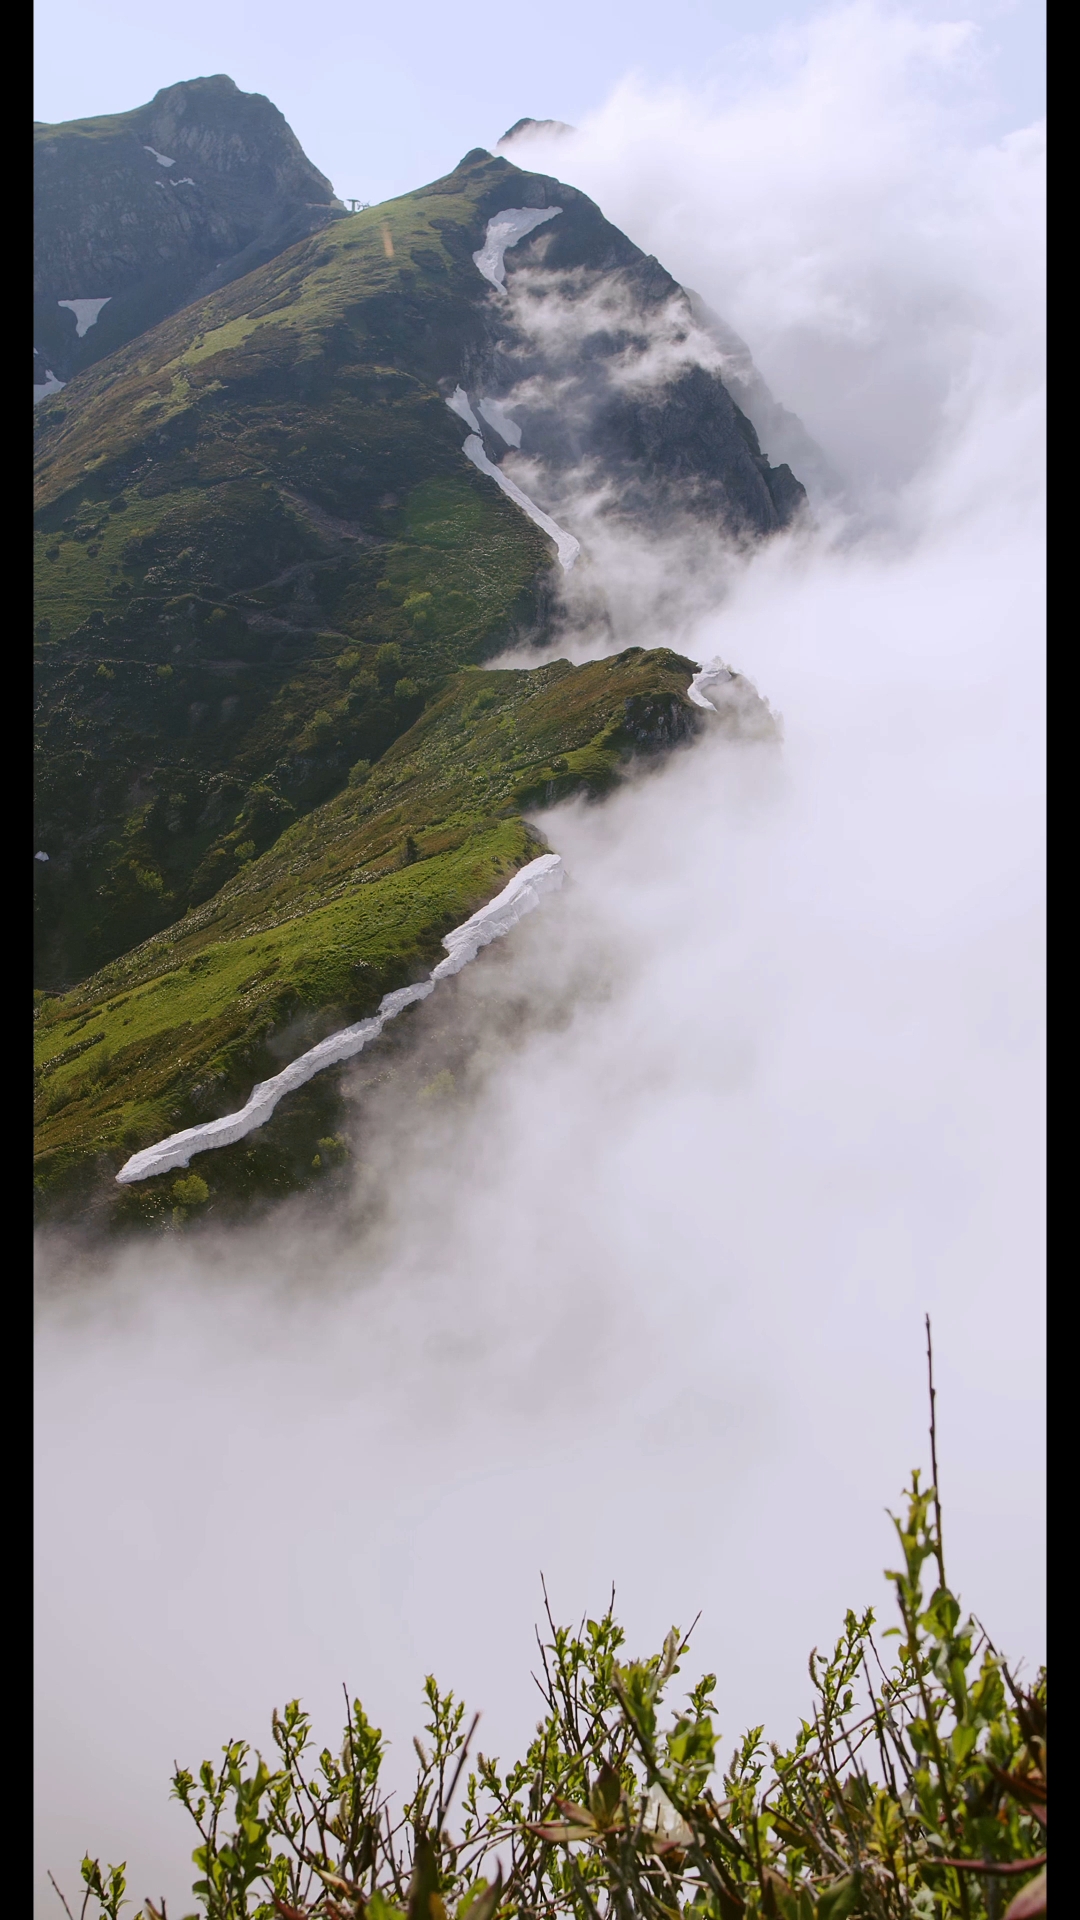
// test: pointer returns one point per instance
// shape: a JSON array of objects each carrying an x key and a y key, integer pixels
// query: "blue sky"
[{"x": 384, "y": 98}]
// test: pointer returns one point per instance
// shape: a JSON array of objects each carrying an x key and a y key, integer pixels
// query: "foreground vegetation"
[{"x": 915, "y": 1789}]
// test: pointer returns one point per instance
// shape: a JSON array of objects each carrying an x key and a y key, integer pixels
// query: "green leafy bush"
[
  {"x": 389, "y": 661},
  {"x": 191, "y": 1191},
  {"x": 916, "y": 1789},
  {"x": 333, "y": 1151}
]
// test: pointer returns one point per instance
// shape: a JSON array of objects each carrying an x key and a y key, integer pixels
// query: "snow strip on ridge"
[
  {"x": 86, "y": 313},
  {"x": 568, "y": 547},
  {"x": 460, "y": 405},
  {"x": 519, "y": 897},
  {"x": 715, "y": 674},
  {"x": 161, "y": 158},
  {"x": 503, "y": 231},
  {"x": 187, "y": 181},
  {"x": 497, "y": 417}
]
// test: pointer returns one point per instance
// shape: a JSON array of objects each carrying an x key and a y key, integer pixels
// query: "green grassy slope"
[{"x": 350, "y": 901}]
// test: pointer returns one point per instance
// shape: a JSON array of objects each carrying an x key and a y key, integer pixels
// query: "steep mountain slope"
[
  {"x": 781, "y": 430},
  {"x": 349, "y": 903},
  {"x": 272, "y": 530},
  {"x": 136, "y": 214},
  {"x": 776, "y": 426}
]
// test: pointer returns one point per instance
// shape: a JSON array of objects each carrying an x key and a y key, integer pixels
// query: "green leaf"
[
  {"x": 839, "y": 1900},
  {"x": 380, "y": 1908},
  {"x": 424, "y": 1901},
  {"x": 606, "y": 1796},
  {"x": 481, "y": 1902}
]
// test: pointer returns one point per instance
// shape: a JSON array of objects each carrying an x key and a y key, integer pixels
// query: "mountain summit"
[
  {"x": 136, "y": 214},
  {"x": 532, "y": 129}
]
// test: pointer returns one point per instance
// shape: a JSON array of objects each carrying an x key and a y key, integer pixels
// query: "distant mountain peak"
[
  {"x": 140, "y": 213},
  {"x": 533, "y": 129}
]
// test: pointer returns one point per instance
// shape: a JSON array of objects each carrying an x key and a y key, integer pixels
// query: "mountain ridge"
[{"x": 267, "y": 552}]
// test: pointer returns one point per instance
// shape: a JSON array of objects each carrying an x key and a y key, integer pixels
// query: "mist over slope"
[{"x": 627, "y": 1275}]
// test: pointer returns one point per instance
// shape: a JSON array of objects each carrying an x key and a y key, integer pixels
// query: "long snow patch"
[
  {"x": 161, "y": 158},
  {"x": 520, "y": 897},
  {"x": 50, "y": 384},
  {"x": 568, "y": 547},
  {"x": 503, "y": 231},
  {"x": 496, "y": 416},
  {"x": 459, "y": 404}
]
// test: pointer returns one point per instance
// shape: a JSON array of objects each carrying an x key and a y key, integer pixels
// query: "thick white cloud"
[{"x": 836, "y": 209}]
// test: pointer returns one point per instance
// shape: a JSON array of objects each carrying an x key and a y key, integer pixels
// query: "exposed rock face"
[
  {"x": 654, "y": 721},
  {"x": 781, "y": 430},
  {"x": 595, "y": 352},
  {"x": 148, "y": 210},
  {"x": 775, "y": 426}
]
